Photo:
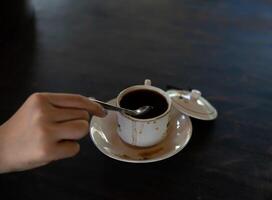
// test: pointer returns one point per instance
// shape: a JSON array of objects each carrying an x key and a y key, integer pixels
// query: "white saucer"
[{"x": 104, "y": 135}]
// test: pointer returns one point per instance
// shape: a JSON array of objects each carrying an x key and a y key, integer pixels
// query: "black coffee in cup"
[{"x": 143, "y": 97}]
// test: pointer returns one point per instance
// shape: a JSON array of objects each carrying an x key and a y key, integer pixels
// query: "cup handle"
[{"x": 147, "y": 82}]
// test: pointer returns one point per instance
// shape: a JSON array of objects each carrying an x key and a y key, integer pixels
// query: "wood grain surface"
[{"x": 99, "y": 47}]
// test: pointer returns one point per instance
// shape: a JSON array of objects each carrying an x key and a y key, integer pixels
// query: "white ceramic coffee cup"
[{"x": 143, "y": 132}]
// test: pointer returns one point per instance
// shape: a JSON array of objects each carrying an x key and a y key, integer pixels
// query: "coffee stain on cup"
[
  {"x": 141, "y": 129},
  {"x": 119, "y": 127},
  {"x": 134, "y": 133}
]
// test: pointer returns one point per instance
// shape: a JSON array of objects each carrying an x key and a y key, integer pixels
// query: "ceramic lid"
[{"x": 192, "y": 104}]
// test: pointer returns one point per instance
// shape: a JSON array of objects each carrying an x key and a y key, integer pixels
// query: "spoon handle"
[{"x": 111, "y": 107}]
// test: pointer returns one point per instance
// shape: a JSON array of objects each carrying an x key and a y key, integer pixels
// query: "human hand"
[{"x": 44, "y": 129}]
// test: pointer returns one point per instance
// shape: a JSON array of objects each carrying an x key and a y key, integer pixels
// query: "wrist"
[{"x": 4, "y": 165}]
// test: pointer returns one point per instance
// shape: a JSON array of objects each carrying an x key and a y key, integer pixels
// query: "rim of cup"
[{"x": 145, "y": 87}]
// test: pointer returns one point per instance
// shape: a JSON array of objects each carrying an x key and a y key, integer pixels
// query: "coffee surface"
[{"x": 138, "y": 98}]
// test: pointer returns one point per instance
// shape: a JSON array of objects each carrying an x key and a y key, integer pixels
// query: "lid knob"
[
  {"x": 195, "y": 94},
  {"x": 147, "y": 82}
]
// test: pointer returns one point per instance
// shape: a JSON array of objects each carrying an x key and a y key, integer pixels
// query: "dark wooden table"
[{"x": 99, "y": 47}]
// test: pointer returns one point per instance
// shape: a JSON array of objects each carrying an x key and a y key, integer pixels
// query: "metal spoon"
[{"x": 136, "y": 112}]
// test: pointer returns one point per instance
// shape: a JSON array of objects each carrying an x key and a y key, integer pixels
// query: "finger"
[
  {"x": 71, "y": 130},
  {"x": 76, "y": 101},
  {"x": 66, "y": 149},
  {"x": 68, "y": 114}
]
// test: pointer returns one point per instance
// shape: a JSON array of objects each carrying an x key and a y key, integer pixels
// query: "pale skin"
[{"x": 46, "y": 128}]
